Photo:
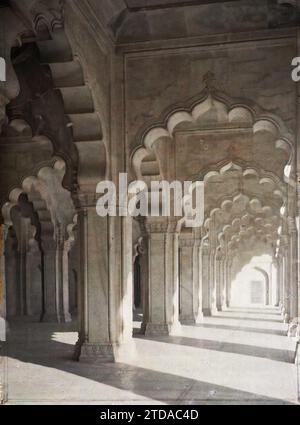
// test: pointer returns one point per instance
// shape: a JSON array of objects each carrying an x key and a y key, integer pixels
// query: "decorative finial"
[{"x": 209, "y": 80}]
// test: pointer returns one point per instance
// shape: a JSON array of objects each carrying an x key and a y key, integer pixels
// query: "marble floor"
[{"x": 238, "y": 356}]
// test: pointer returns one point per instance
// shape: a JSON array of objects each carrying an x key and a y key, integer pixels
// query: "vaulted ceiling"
[{"x": 131, "y": 21}]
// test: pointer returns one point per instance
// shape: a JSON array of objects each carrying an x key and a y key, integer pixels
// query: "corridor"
[{"x": 241, "y": 355}]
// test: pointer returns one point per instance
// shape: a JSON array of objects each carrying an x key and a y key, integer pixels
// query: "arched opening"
[
  {"x": 137, "y": 298},
  {"x": 251, "y": 286}
]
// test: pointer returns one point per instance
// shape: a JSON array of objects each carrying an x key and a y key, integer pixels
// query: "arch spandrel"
[{"x": 215, "y": 130}]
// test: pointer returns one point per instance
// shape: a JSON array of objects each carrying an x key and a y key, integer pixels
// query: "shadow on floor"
[
  {"x": 229, "y": 347},
  {"x": 274, "y": 313},
  {"x": 39, "y": 348},
  {"x": 242, "y": 328},
  {"x": 222, "y": 316}
]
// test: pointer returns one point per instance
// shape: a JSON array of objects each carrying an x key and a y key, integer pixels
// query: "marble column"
[
  {"x": 105, "y": 284},
  {"x": 275, "y": 279},
  {"x": 213, "y": 283},
  {"x": 22, "y": 261},
  {"x": 66, "y": 315},
  {"x": 50, "y": 284},
  {"x": 229, "y": 263},
  {"x": 293, "y": 274},
  {"x": 279, "y": 280},
  {"x": 286, "y": 283},
  {"x": 163, "y": 291},
  {"x": 11, "y": 246},
  {"x": 187, "y": 271},
  {"x": 33, "y": 279},
  {"x": 225, "y": 283},
  {"x": 197, "y": 279},
  {"x": 219, "y": 280},
  {"x": 144, "y": 264},
  {"x": 205, "y": 276}
]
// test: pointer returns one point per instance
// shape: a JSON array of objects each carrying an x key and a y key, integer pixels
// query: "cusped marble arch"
[
  {"x": 47, "y": 194},
  {"x": 215, "y": 110}
]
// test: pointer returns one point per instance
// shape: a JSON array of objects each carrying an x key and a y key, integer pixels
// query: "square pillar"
[
  {"x": 105, "y": 284},
  {"x": 11, "y": 273},
  {"x": 293, "y": 273},
  {"x": 187, "y": 271},
  {"x": 163, "y": 292},
  {"x": 219, "y": 280},
  {"x": 286, "y": 290},
  {"x": 33, "y": 279},
  {"x": 205, "y": 273},
  {"x": 213, "y": 279},
  {"x": 50, "y": 284}
]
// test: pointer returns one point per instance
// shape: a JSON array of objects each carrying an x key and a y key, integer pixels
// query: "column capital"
[
  {"x": 186, "y": 240},
  {"x": 48, "y": 245},
  {"x": 160, "y": 225},
  {"x": 292, "y": 227},
  {"x": 85, "y": 200}
]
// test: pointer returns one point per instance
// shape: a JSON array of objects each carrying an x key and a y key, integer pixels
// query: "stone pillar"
[
  {"x": 279, "y": 281},
  {"x": 33, "y": 279},
  {"x": 50, "y": 295},
  {"x": 62, "y": 276},
  {"x": 286, "y": 288},
  {"x": 213, "y": 283},
  {"x": 229, "y": 263},
  {"x": 163, "y": 292},
  {"x": 105, "y": 282},
  {"x": 293, "y": 274},
  {"x": 219, "y": 280},
  {"x": 11, "y": 246},
  {"x": 22, "y": 235},
  {"x": 267, "y": 287},
  {"x": 197, "y": 279},
  {"x": 225, "y": 283},
  {"x": 187, "y": 271},
  {"x": 66, "y": 315},
  {"x": 55, "y": 277},
  {"x": 205, "y": 276},
  {"x": 275, "y": 279},
  {"x": 144, "y": 280}
]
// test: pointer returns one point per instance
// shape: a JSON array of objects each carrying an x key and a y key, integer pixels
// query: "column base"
[
  {"x": 219, "y": 307},
  {"x": 160, "y": 329},
  {"x": 188, "y": 320},
  {"x": 294, "y": 329},
  {"x": 50, "y": 318},
  {"x": 207, "y": 312},
  {"x": 104, "y": 353},
  {"x": 214, "y": 310},
  {"x": 67, "y": 318},
  {"x": 94, "y": 353},
  {"x": 199, "y": 318}
]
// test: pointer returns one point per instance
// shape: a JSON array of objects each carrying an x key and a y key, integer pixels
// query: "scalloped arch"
[{"x": 212, "y": 109}]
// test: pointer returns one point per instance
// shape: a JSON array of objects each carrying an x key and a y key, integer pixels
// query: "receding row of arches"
[{"x": 63, "y": 261}]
